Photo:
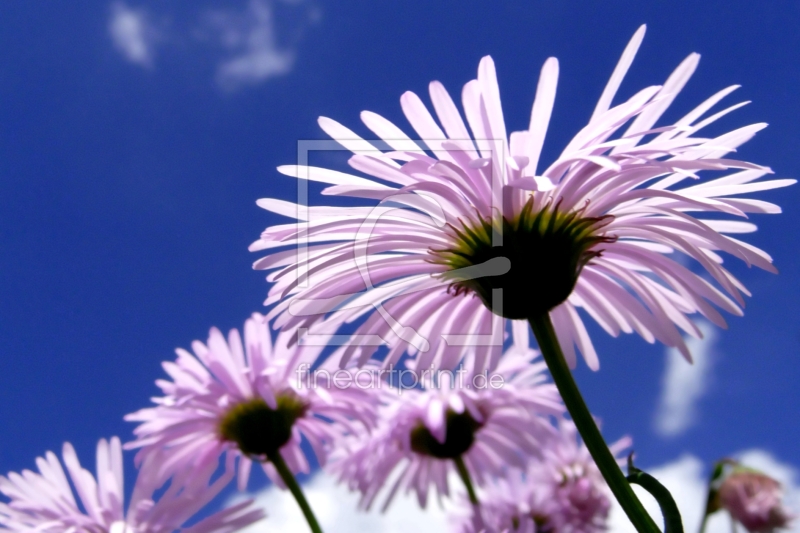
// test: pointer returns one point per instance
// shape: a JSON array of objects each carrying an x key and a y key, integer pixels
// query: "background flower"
[
  {"x": 221, "y": 399},
  {"x": 45, "y": 502},
  {"x": 755, "y": 500},
  {"x": 561, "y": 491},
  {"x": 423, "y": 432}
]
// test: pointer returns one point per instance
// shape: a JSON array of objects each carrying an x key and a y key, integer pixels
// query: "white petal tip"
[
  {"x": 544, "y": 183},
  {"x": 288, "y": 170}
]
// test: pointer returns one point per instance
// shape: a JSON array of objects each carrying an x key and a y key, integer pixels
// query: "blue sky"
[{"x": 136, "y": 137}]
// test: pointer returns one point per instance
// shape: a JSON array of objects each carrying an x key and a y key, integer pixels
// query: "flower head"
[
  {"x": 468, "y": 224},
  {"x": 578, "y": 495},
  {"x": 511, "y": 504},
  {"x": 754, "y": 499},
  {"x": 247, "y": 400},
  {"x": 45, "y": 502},
  {"x": 423, "y": 432},
  {"x": 562, "y": 491},
  {"x": 553, "y": 245}
]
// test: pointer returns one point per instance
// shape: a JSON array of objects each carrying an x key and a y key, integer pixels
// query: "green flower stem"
[
  {"x": 712, "y": 504},
  {"x": 463, "y": 473},
  {"x": 703, "y": 523},
  {"x": 669, "y": 509},
  {"x": 288, "y": 478},
  {"x": 562, "y": 376}
]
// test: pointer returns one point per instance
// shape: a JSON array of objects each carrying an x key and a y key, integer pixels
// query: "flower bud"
[{"x": 754, "y": 500}]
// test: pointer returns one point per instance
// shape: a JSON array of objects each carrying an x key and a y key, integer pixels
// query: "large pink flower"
[
  {"x": 605, "y": 228},
  {"x": 244, "y": 400},
  {"x": 45, "y": 502}
]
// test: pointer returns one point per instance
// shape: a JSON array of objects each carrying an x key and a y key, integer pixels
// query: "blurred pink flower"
[
  {"x": 604, "y": 228},
  {"x": 45, "y": 502},
  {"x": 562, "y": 491},
  {"x": 244, "y": 400},
  {"x": 754, "y": 499}
]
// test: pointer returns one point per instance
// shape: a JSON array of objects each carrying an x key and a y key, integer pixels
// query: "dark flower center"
[
  {"x": 542, "y": 522},
  {"x": 259, "y": 430},
  {"x": 459, "y": 436},
  {"x": 546, "y": 250}
]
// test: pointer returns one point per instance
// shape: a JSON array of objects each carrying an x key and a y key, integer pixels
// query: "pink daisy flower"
[
  {"x": 458, "y": 420},
  {"x": 561, "y": 491},
  {"x": 45, "y": 502},
  {"x": 246, "y": 400},
  {"x": 605, "y": 228}
]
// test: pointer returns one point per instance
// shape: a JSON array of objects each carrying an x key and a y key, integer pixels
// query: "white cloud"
[
  {"x": 249, "y": 39},
  {"x": 335, "y": 508},
  {"x": 243, "y": 40},
  {"x": 686, "y": 479},
  {"x": 684, "y": 384},
  {"x": 133, "y": 34}
]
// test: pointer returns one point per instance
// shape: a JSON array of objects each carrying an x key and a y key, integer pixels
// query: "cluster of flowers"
[
  {"x": 238, "y": 400},
  {"x": 467, "y": 241}
]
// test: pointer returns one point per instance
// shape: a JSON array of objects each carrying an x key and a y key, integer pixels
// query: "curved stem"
[
  {"x": 669, "y": 509},
  {"x": 288, "y": 478},
  {"x": 463, "y": 473},
  {"x": 562, "y": 376}
]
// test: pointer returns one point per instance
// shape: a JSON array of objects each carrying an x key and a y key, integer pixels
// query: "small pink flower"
[
  {"x": 44, "y": 502},
  {"x": 562, "y": 491},
  {"x": 422, "y": 431},
  {"x": 754, "y": 499},
  {"x": 579, "y": 498},
  {"x": 245, "y": 399}
]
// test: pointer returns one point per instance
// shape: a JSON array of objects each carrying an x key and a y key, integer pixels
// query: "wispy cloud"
[
  {"x": 684, "y": 384},
  {"x": 686, "y": 479},
  {"x": 133, "y": 34},
  {"x": 335, "y": 508},
  {"x": 248, "y": 42},
  {"x": 249, "y": 39}
]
